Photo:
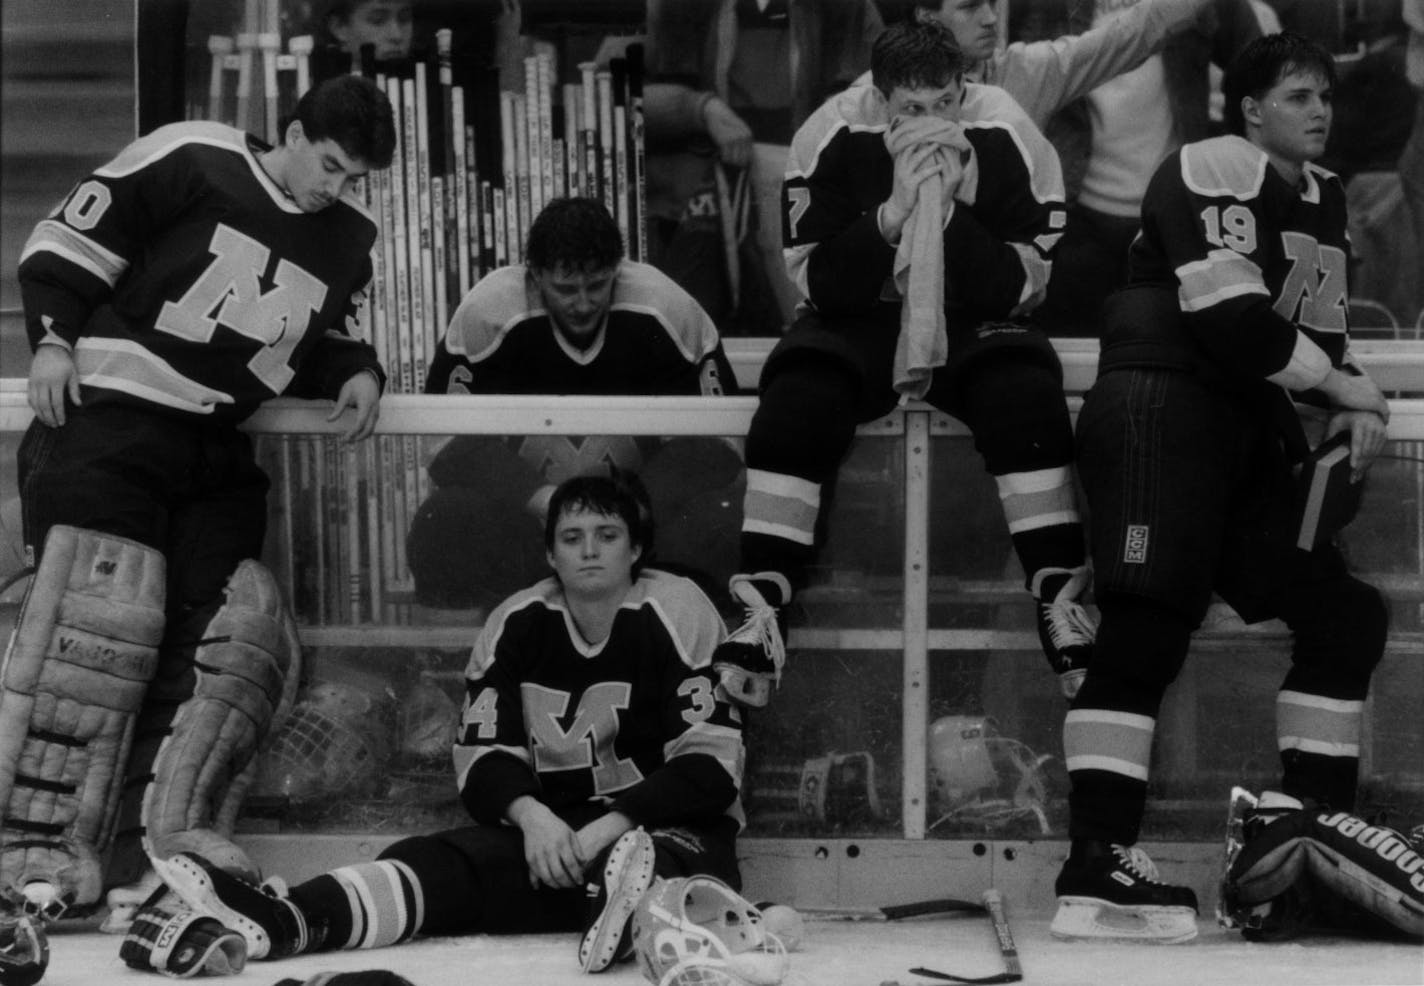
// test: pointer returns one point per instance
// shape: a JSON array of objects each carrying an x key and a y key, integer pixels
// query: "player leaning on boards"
[
  {"x": 571, "y": 825},
  {"x": 1229, "y": 346},
  {"x": 925, "y": 207},
  {"x": 197, "y": 274}
]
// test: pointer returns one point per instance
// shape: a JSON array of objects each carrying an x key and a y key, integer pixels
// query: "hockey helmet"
[
  {"x": 982, "y": 779},
  {"x": 697, "y": 931}
]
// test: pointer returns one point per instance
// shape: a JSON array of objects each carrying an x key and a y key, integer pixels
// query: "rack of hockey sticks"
[{"x": 477, "y": 158}]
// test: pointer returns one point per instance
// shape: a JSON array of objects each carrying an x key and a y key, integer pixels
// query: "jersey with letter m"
[
  {"x": 1260, "y": 266},
  {"x": 638, "y": 722},
  {"x": 180, "y": 275},
  {"x": 1000, "y": 230}
]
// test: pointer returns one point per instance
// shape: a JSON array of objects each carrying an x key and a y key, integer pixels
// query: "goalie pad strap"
[
  {"x": 246, "y": 671},
  {"x": 1372, "y": 867},
  {"x": 79, "y": 663}
]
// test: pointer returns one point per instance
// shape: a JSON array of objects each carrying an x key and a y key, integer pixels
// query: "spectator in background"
[
  {"x": 574, "y": 319},
  {"x": 388, "y": 25},
  {"x": 1111, "y": 142},
  {"x": 486, "y": 31},
  {"x": 1044, "y": 76},
  {"x": 1375, "y": 114},
  {"x": 729, "y": 83}
]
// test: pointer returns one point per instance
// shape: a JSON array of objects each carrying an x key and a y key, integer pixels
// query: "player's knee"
[
  {"x": 1349, "y": 620},
  {"x": 806, "y": 417},
  {"x": 421, "y": 853},
  {"x": 1140, "y": 648}
]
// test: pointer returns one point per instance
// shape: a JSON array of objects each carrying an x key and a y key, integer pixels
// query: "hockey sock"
[{"x": 369, "y": 905}]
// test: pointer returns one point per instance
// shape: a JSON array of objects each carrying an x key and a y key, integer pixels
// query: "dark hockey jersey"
[
  {"x": 180, "y": 275},
  {"x": 1260, "y": 268},
  {"x": 999, "y": 234},
  {"x": 656, "y": 341},
  {"x": 638, "y": 723}
]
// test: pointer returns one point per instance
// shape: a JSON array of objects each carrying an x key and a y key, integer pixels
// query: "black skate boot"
[
  {"x": 1109, "y": 891},
  {"x": 272, "y": 925},
  {"x": 1066, "y": 630},
  {"x": 749, "y": 661}
]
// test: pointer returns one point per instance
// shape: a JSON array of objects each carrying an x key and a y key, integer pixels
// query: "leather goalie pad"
[
  {"x": 80, "y": 659},
  {"x": 1351, "y": 874},
  {"x": 246, "y": 668}
]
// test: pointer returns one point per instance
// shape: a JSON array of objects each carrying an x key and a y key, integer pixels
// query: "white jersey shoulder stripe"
[
  {"x": 1224, "y": 167},
  {"x": 684, "y": 610},
  {"x": 500, "y": 300}
]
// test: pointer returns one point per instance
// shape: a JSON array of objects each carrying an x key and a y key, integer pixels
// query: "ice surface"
[{"x": 836, "y": 953}]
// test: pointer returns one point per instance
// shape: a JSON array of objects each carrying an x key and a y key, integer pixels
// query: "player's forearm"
[
  {"x": 673, "y": 111},
  {"x": 54, "y": 312},
  {"x": 330, "y": 363},
  {"x": 982, "y": 272},
  {"x": 687, "y": 787},
  {"x": 1249, "y": 340},
  {"x": 495, "y": 782}
]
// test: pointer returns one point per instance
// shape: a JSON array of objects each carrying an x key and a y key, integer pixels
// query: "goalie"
[{"x": 197, "y": 274}]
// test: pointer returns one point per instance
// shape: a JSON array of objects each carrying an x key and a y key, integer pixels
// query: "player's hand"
[
  {"x": 912, "y": 144},
  {"x": 729, "y": 132},
  {"x": 601, "y": 833},
  {"x": 1367, "y": 434},
  {"x": 551, "y": 848},
  {"x": 362, "y": 393},
  {"x": 1351, "y": 392},
  {"x": 53, "y": 378}
]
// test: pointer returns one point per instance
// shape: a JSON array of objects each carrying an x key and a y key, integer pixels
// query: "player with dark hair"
[
  {"x": 197, "y": 274},
  {"x": 575, "y": 319},
  {"x": 596, "y": 752},
  {"x": 387, "y": 25},
  {"x": 1229, "y": 348},
  {"x": 985, "y": 191}
]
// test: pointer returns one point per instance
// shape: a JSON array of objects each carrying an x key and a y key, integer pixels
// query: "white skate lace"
[
  {"x": 1069, "y": 624},
  {"x": 760, "y": 629},
  {"x": 1138, "y": 862}
]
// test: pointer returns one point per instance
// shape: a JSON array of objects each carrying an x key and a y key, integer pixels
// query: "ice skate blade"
[{"x": 1089, "y": 919}]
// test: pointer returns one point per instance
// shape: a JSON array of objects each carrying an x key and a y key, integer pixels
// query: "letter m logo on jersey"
[
  {"x": 588, "y": 742},
  {"x": 229, "y": 292}
]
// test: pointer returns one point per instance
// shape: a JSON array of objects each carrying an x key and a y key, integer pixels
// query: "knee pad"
[
  {"x": 1345, "y": 618},
  {"x": 84, "y": 650},
  {"x": 806, "y": 418}
]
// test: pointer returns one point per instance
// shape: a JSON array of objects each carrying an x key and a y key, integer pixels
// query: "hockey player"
[
  {"x": 576, "y": 318},
  {"x": 197, "y": 274},
  {"x": 919, "y": 138},
  {"x": 1238, "y": 307},
  {"x": 596, "y": 751}
]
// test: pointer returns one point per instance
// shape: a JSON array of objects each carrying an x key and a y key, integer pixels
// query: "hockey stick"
[
  {"x": 892, "y": 912},
  {"x": 1013, "y": 972}
]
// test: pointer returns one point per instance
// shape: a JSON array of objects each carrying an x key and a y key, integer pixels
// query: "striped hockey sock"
[{"x": 369, "y": 905}]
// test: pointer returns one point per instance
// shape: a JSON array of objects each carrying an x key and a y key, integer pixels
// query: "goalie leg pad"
[
  {"x": 83, "y": 652},
  {"x": 1340, "y": 858},
  {"x": 247, "y": 666}
]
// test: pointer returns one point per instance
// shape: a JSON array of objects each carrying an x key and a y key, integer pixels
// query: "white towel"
[{"x": 923, "y": 343}]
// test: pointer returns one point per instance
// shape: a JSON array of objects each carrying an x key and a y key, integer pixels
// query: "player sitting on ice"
[
  {"x": 1293, "y": 867},
  {"x": 597, "y": 752},
  {"x": 1237, "y": 310}
]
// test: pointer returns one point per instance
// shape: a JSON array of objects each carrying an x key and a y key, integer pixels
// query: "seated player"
[
  {"x": 575, "y": 319},
  {"x": 1232, "y": 338},
  {"x": 596, "y": 752},
  {"x": 966, "y": 162}
]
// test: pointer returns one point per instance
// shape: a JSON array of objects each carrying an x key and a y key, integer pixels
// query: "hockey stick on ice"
[
  {"x": 1013, "y": 972},
  {"x": 892, "y": 912}
]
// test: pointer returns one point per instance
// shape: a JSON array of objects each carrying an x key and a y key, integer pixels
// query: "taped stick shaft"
[{"x": 994, "y": 904}]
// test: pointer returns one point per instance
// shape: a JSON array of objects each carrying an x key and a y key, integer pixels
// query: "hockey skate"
[
  {"x": 1238, "y": 807},
  {"x": 271, "y": 924},
  {"x": 749, "y": 661},
  {"x": 1113, "y": 892},
  {"x": 1066, "y": 630},
  {"x": 627, "y": 875}
]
